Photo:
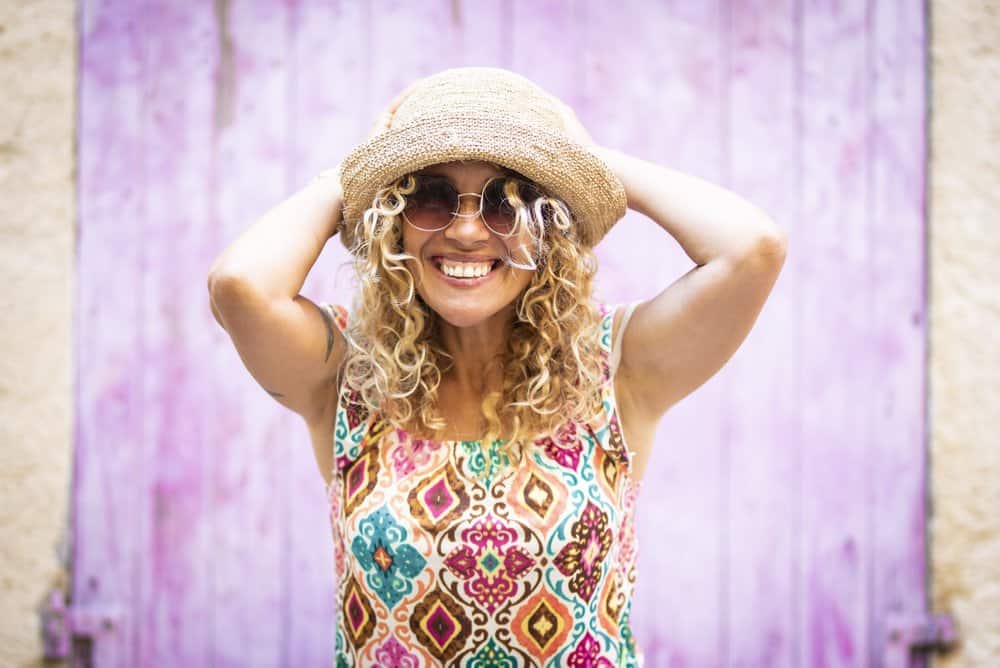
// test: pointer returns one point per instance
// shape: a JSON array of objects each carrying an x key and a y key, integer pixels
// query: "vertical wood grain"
[
  {"x": 180, "y": 46},
  {"x": 764, "y": 451},
  {"x": 250, "y": 464},
  {"x": 109, "y": 498},
  {"x": 837, "y": 366},
  {"x": 898, "y": 488}
]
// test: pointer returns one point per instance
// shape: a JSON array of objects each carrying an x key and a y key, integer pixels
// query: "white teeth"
[{"x": 466, "y": 269}]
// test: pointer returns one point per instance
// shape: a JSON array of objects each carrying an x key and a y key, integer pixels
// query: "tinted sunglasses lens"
[
  {"x": 430, "y": 207},
  {"x": 499, "y": 211}
]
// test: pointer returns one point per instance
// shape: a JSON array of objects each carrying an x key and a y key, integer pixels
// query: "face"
[{"x": 467, "y": 244}]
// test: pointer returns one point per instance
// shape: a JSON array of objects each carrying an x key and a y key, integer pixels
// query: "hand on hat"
[
  {"x": 574, "y": 128},
  {"x": 384, "y": 121}
]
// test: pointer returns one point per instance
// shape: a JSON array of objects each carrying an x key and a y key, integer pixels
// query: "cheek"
[
  {"x": 407, "y": 239},
  {"x": 413, "y": 242}
]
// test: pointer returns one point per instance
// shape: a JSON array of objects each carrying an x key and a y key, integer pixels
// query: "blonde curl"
[{"x": 552, "y": 364}]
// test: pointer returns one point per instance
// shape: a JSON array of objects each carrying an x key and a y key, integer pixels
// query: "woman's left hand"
[
  {"x": 574, "y": 128},
  {"x": 384, "y": 121}
]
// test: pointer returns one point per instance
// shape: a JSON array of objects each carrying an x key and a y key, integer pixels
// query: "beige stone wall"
[
  {"x": 37, "y": 117},
  {"x": 37, "y": 110},
  {"x": 965, "y": 324}
]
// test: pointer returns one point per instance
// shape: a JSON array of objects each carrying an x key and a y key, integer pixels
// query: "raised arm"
[
  {"x": 681, "y": 337},
  {"x": 287, "y": 343}
]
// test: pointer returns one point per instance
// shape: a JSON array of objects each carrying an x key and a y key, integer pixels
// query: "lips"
[
  {"x": 464, "y": 281},
  {"x": 454, "y": 257},
  {"x": 459, "y": 265}
]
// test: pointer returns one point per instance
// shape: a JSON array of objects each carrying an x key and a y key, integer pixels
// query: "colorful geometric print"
[{"x": 445, "y": 555}]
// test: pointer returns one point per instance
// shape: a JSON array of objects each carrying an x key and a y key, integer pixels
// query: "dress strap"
[
  {"x": 616, "y": 347},
  {"x": 337, "y": 313},
  {"x": 349, "y": 420}
]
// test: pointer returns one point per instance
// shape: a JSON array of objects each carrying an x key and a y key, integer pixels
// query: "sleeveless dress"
[{"x": 447, "y": 557}]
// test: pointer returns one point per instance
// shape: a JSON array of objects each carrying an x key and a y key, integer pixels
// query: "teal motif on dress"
[
  {"x": 338, "y": 650},
  {"x": 587, "y": 471},
  {"x": 389, "y": 563},
  {"x": 628, "y": 646},
  {"x": 484, "y": 466},
  {"x": 344, "y": 439},
  {"x": 342, "y": 429},
  {"x": 491, "y": 655}
]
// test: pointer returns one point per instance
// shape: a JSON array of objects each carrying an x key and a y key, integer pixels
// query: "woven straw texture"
[{"x": 489, "y": 114}]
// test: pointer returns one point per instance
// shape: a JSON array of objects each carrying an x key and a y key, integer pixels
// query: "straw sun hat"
[{"x": 489, "y": 114}]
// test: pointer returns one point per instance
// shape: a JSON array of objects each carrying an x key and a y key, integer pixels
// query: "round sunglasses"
[{"x": 436, "y": 203}]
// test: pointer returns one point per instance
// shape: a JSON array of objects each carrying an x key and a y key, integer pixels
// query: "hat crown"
[
  {"x": 473, "y": 91},
  {"x": 489, "y": 114}
]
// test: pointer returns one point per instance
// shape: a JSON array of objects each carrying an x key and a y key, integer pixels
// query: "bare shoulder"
[
  {"x": 321, "y": 427},
  {"x": 680, "y": 338},
  {"x": 638, "y": 430},
  {"x": 292, "y": 347}
]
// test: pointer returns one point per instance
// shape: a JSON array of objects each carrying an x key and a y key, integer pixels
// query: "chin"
[{"x": 466, "y": 310}]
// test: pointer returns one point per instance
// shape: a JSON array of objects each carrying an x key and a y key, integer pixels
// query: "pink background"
[{"x": 782, "y": 521}]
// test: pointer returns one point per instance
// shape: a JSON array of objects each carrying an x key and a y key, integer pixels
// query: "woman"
[{"x": 483, "y": 426}]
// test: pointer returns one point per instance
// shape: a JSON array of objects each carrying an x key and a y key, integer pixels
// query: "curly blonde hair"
[{"x": 552, "y": 359}]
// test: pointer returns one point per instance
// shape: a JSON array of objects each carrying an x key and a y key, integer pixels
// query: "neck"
[{"x": 476, "y": 351}]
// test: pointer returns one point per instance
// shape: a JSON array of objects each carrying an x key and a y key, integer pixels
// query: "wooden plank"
[
  {"x": 763, "y": 458},
  {"x": 653, "y": 88},
  {"x": 180, "y": 44},
  {"x": 837, "y": 366},
  {"x": 249, "y": 473},
  {"x": 547, "y": 32},
  {"x": 423, "y": 39},
  {"x": 108, "y": 539},
  {"x": 898, "y": 153}
]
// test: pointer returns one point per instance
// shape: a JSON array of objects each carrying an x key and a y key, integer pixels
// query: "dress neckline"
[{"x": 446, "y": 441}]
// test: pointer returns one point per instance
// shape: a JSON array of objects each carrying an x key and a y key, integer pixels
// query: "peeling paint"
[{"x": 225, "y": 76}]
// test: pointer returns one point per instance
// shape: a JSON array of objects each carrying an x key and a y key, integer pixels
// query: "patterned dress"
[{"x": 448, "y": 557}]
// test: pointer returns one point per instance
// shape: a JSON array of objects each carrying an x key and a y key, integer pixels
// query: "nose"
[{"x": 468, "y": 226}]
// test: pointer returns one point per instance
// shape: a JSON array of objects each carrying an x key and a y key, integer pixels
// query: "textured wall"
[
  {"x": 37, "y": 75},
  {"x": 37, "y": 78},
  {"x": 965, "y": 319}
]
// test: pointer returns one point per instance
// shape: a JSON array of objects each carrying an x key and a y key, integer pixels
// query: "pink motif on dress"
[{"x": 565, "y": 448}]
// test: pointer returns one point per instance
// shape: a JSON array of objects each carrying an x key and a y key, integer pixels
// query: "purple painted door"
[{"x": 784, "y": 522}]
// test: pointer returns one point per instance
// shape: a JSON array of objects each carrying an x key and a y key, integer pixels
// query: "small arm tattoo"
[
  {"x": 328, "y": 321},
  {"x": 276, "y": 395}
]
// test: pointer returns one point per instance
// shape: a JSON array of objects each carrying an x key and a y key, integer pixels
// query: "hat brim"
[{"x": 560, "y": 165}]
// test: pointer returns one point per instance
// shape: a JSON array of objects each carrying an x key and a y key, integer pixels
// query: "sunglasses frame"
[{"x": 479, "y": 209}]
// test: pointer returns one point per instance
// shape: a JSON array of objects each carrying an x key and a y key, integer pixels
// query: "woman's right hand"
[{"x": 329, "y": 181}]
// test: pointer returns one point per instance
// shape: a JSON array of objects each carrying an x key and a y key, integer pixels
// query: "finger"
[
  {"x": 384, "y": 121},
  {"x": 402, "y": 96}
]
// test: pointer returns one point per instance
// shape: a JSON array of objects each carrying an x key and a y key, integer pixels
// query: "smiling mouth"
[{"x": 465, "y": 271}]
